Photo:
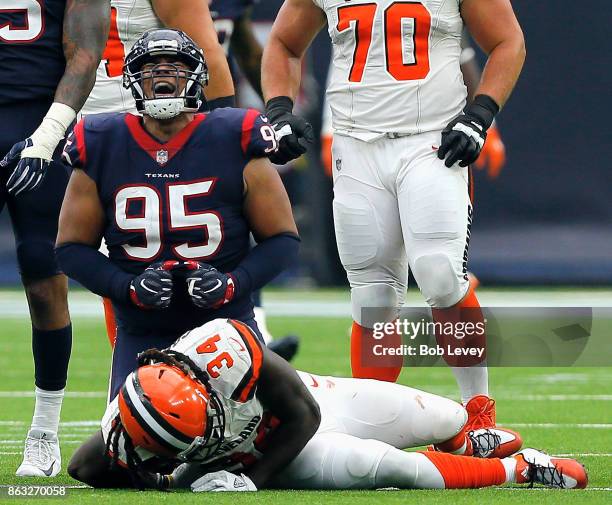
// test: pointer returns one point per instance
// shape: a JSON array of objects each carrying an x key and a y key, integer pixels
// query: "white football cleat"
[
  {"x": 533, "y": 466},
  {"x": 41, "y": 455},
  {"x": 494, "y": 443}
]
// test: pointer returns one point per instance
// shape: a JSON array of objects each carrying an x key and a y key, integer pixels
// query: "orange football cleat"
[
  {"x": 481, "y": 413},
  {"x": 537, "y": 467}
]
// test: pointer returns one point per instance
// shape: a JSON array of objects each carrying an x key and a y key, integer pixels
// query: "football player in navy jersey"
[
  {"x": 49, "y": 52},
  {"x": 175, "y": 195}
]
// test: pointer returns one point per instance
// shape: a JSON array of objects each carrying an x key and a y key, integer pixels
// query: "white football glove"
[{"x": 223, "y": 481}]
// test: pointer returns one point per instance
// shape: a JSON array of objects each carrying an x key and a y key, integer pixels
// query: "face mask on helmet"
[
  {"x": 170, "y": 413},
  {"x": 165, "y": 71}
]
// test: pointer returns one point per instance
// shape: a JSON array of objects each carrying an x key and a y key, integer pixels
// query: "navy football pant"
[
  {"x": 128, "y": 346},
  {"x": 34, "y": 215}
]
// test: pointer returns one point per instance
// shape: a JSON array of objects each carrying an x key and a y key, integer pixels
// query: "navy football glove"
[
  {"x": 464, "y": 137},
  {"x": 152, "y": 289},
  {"x": 207, "y": 287},
  {"x": 28, "y": 173},
  {"x": 33, "y": 155},
  {"x": 292, "y": 132}
]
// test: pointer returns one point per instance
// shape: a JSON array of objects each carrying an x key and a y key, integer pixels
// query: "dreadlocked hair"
[
  {"x": 176, "y": 359},
  {"x": 133, "y": 460}
]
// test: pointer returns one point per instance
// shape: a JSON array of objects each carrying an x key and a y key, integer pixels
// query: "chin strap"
[{"x": 164, "y": 108}]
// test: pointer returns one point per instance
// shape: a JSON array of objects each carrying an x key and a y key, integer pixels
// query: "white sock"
[
  {"x": 510, "y": 467},
  {"x": 472, "y": 381},
  {"x": 47, "y": 410},
  {"x": 260, "y": 319}
]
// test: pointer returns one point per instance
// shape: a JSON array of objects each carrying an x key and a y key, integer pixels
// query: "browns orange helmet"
[{"x": 171, "y": 412}]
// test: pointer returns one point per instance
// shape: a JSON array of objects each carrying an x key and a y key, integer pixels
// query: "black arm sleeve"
[
  {"x": 94, "y": 271},
  {"x": 264, "y": 262}
]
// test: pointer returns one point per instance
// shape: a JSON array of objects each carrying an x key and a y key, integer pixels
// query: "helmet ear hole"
[{"x": 174, "y": 414}]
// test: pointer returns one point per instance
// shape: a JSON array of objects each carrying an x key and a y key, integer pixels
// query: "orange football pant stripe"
[{"x": 460, "y": 472}]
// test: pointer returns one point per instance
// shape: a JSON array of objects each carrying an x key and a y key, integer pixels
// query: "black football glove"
[
  {"x": 152, "y": 289},
  {"x": 464, "y": 136},
  {"x": 29, "y": 172},
  {"x": 207, "y": 287},
  {"x": 292, "y": 132}
]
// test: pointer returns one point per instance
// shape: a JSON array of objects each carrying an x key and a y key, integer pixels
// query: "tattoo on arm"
[{"x": 86, "y": 25}]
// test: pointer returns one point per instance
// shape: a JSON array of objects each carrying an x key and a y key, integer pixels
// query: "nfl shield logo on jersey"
[
  {"x": 339, "y": 164},
  {"x": 162, "y": 157}
]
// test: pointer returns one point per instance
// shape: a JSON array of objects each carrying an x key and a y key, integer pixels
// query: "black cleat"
[{"x": 286, "y": 347}]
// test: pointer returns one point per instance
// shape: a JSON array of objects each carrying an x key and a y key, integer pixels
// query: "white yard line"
[
  {"x": 84, "y": 304},
  {"x": 585, "y": 454},
  {"x": 597, "y": 426},
  {"x": 62, "y": 424},
  {"x": 67, "y": 394}
]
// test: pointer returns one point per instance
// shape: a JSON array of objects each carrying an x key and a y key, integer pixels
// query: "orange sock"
[
  {"x": 460, "y": 472},
  {"x": 467, "y": 311},
  {"x": 390, "y": 366},
  {"x": 111, "y": 324},
  {"x": 459, "y": 444}
]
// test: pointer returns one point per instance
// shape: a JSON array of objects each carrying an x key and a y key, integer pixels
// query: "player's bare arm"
[
  {"x": 86, "y": 25},
  {"x": 193, "y": 18},
  {"x": 297, "y": 23},
  {"x": 495, "y": 28},
  {"x": 248, "y": 51},
  {"x": 493, "y": 25},
  {"x": 81, "y": 219},
  {"x": 284, "y": 395},
  {"x": 266, "y": 203}
]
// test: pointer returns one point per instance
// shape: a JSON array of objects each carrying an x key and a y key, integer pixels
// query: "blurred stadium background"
[{"x": 546, "y": 219}]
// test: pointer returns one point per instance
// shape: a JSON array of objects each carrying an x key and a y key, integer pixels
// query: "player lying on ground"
[
  {"x": 175, "y": 194},
  {"x": 219, "y": 412}
]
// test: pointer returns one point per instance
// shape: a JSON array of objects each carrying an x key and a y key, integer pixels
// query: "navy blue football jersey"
[
  {"x": 225, "y": 13},
  {"x": 31, "y": 55},
  {"x": 179, "y": 200}
]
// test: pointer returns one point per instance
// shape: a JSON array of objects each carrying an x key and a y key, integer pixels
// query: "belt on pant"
[{"x": 396, "y": 135}]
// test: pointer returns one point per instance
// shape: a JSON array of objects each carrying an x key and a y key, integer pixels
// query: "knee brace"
[
  {"x": 438, "y": 280},
  {"x": 383, "y": 299}
]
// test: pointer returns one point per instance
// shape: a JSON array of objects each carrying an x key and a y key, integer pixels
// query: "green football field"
[{"x": 565, "y": 411}]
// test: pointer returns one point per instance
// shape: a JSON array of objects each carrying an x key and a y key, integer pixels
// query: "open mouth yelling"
[{"x": 164, "y": 88}]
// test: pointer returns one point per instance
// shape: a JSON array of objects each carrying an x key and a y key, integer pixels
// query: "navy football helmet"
[{"x": 168, "y": 99}]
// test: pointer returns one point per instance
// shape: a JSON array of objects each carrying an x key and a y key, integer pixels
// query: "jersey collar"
[{"x": 160, "y": 152}]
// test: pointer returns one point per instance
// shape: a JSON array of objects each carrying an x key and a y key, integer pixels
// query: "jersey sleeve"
[
  {"x": 75, "y": 153},
  {"x": 231, "y": 355},
  {"x": 257, "y": 138}
]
